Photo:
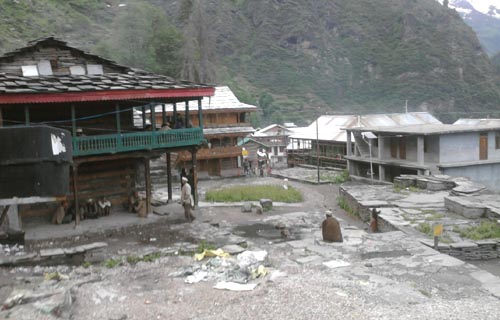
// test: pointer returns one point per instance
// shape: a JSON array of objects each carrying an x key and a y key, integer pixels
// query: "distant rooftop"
[
  {"x": 332, "y": 127},
  {"x": 430, "y": 129}
]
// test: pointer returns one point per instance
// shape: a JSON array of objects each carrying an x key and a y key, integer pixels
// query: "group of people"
[
  {"x": 178, "y": 123},
  {"x": 92, "y": 209}
]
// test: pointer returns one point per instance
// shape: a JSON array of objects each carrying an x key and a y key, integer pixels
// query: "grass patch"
[
  {"x": 254, "y": 193},
  {"x": 86, "y": 264},
  {"x": 342, "y": 202},
  {"x": 485, "y": 230},
  {"x": 111, "y": 263},
  {"x": 205, "y": 246},
  {"x": 133, "y": 259},
  {"x": 343, "y": 177},
  {"x": 425, "y": 228}
]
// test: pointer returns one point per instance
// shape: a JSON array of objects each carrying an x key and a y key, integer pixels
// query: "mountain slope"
[
  {"x": 296, "y": 56},
  {"x": 483, "y": 16}
]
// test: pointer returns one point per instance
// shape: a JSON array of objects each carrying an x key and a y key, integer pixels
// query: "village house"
[
  {"x": 325, "y": 140},
  {"x": 467, "y": 150},
  {"x": 51, "y": 83},
  {"x": 273, "y": 139},
  {"x": 226, "y": 122}
]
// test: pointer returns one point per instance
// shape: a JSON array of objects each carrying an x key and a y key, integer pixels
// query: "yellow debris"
[{"x": 211, "y": 253}]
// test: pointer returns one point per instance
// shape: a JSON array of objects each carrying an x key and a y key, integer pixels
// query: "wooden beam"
[
  {"x": 175, "y": 114},
  {"x": 74, "y": 170},
  {"x": 1, "y": 117},
  {"x": 73, "y": 120},
  {"x": 195, "y": 175},
  {"x": 152, "y": 116},
  {"x": 118, "y": 120},
  {"x": 143, "y": 117},
  {"x": 163, "y": 115},
  {"x": 200, "y": 115},
  {"x": 186, "y": 116},
  {"x": 147, "y": 175},
  {"x": 27, "y": 115},
  {"x": 169, "y": 177}
]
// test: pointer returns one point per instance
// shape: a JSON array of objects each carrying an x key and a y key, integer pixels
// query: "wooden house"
[
  {"x": 226, "y": 121},
  {"x": 49, "y": 82}
]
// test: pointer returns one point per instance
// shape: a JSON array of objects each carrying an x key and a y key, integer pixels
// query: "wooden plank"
[{"x": 483, "y": 146}]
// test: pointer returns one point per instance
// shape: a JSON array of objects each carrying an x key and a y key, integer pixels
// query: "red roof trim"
[{"x": 105, "y": 95}]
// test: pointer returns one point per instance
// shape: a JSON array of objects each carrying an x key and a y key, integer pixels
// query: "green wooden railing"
[{"x": 124, "y": 142}]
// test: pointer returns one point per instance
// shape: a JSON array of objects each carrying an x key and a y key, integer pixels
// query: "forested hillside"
[{"x": 294, "y": 58}]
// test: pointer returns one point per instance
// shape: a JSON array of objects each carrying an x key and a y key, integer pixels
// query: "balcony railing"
[
  {"x": 212, "y": 153},
  {"x": 124, "y": 142}
]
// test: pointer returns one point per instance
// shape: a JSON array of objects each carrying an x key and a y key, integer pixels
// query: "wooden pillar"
[
  {"x": 118, "y": 120},
  {"x": 195, "y": 176},
  {"x": 1, "y": 117},
  {"x": 163, "y": 115},
  {"x": 143, "y": 117},
  {"x": 200, "y": 115},
  {"x": 169, "y": 177},
  {"x": 27, "y": 115},
  {"x": 73, "y": 120},
  {"x": 175, "y": 114},
  {"x": 186, "y": 116},
  {"x": 153, "y": 116},
  {"x": 74, "y": 170},
  {"x": 147, "y": 175}
]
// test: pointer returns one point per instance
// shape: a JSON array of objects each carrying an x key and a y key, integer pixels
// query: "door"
[
  {"x": 402, "y": 148},
  {"x": 483, "y": 146},
  {"x": 394, "y": 147}
]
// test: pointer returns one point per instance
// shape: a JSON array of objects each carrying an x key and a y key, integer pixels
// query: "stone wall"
[{"x": 470, "y": 250}]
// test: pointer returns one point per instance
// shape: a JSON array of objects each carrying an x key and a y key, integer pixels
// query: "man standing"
[{"x": 187, "y": 199}]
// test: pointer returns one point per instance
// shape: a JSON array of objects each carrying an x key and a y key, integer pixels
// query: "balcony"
[
  {"x": 136, "y": 141},
  {"x": 212, "y": 153}
]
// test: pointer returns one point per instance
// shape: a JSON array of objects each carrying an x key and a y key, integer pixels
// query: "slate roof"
[
  {"x": 133, "y": 80},
  {"x": 223, "y": 99},
  {"x": 125, "y": 78}
]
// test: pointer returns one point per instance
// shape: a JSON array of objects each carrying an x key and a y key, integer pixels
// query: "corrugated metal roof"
[
  {"x": 330, "y": 128},
  {"x": 431, "y": 128},
  {"x": 476, "y": 122}
]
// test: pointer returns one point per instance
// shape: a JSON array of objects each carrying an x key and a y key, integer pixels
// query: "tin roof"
[
  {"x": 430, "y": 129},
  {"x": 331, "y": 128}
]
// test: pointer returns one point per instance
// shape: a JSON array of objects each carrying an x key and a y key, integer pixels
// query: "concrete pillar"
[
  {"x": 348, "y": 143},
  {"x": 420, "y": 150},
  {"x": 14, "y": 218},
  {"x": 381, "y": 172},
  {"x": 381, "y": 141}
]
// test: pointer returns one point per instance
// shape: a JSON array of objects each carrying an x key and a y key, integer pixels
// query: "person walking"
[{"x": 187, "y": 199}]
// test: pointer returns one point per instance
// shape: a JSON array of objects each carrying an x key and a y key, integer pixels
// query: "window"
[{"x": 497, "y": 140}]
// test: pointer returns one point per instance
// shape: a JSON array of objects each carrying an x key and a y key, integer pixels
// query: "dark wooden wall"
[{"x": 61, "y": 59}]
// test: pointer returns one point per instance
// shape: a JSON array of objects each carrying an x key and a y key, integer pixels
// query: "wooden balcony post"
[
  {"x": 195, "y": 175},
  {"x": 1, "y": 117},
  {"x": 175, "y": 114},
  {"x": 118, "y": 120},
  {"x": 153, "y": 116},
  {"x": 169, "y": 177},
  {"x": 74, "y": 171},
  {"x": 27, "y": 115},
  {"x": 73, "y": 120},
  {"x": 200, "y": 115},
  {"x": 147, "y": 175},
  {"x": 163, "y": 114},
  {"x": 143, "y": 116},
  {"x": 186, "y": 117}
]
